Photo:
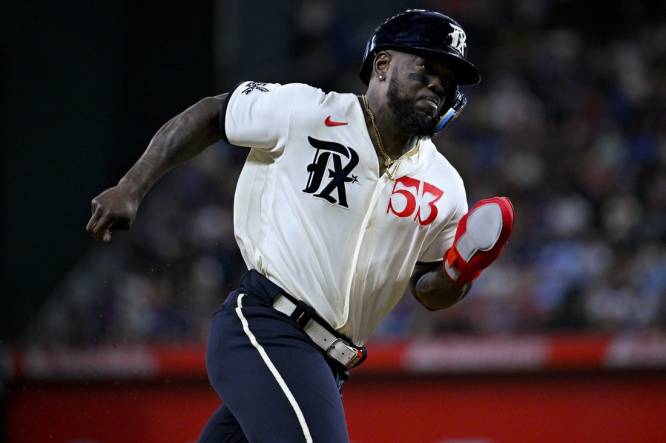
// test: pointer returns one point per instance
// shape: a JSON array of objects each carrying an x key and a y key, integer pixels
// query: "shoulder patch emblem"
[{"x": 254, "y": 86}]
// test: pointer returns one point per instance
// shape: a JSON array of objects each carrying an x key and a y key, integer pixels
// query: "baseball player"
[{"x": 343, "y": 201}]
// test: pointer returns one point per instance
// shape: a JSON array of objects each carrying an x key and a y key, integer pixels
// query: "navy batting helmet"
[{"x": 422, "y": 32}]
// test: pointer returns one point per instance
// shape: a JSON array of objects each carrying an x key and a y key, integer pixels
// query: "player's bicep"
[{"x": 222, "y": 102}]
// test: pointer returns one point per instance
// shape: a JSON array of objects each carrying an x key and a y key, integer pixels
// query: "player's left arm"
[
  {"x": 433, "y": 289},
  {"x": 480, "y": 237}
]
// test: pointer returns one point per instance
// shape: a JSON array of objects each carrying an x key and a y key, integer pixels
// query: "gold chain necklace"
[{"x": 388, "y": 161}]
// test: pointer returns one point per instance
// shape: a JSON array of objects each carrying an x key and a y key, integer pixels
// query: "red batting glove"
[{"x": 480, "y": 238}]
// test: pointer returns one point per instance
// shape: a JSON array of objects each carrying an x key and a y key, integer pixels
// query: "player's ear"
[{"x": 381, "y": 64}]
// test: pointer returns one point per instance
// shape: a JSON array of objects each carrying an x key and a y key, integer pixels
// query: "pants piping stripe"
[{"x": 274, "y": 371}]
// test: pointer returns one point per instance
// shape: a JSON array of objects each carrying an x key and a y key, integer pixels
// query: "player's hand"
[
  {"x": 480, "y": 238},
  {"x": 113, "y": 209}
]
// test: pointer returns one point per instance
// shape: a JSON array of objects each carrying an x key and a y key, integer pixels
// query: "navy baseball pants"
[{"x": 276, "y": 384}]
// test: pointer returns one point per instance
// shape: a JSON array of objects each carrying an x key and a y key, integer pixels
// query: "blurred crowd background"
[{"x": 569, "y": 122}]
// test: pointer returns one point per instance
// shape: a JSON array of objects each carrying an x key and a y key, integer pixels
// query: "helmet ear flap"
[{"x": 452, "y": 109}]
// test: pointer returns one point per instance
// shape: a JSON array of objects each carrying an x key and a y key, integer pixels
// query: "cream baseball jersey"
[{"x": 312, "y": 213}]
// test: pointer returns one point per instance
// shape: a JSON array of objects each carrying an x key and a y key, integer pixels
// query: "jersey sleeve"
[
  {"x": 257, "y": 114},
  {"x": 444, "y": 239}
]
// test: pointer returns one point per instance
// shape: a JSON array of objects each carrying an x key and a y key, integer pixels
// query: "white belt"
[{"x": 334, "y": 347}]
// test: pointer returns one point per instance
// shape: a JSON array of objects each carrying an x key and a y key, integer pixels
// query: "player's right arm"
[
  {"x": 180, "y": 139},
  {"x": 480, "y": 237}
]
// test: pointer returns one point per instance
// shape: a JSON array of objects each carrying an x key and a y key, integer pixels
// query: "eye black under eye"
[{"x": 418, "y": 77}]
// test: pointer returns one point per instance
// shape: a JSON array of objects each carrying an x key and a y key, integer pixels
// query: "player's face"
[{"x": 418, "y": 87}]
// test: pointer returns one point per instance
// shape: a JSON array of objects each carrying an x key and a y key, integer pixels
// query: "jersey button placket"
[{"x": 365, "y": 226}]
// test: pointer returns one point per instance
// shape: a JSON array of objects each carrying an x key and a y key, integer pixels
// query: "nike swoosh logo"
[{"x": 329, "y": 122}]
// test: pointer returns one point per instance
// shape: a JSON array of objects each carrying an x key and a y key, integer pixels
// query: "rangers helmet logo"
[{"x": 458, "y": 39}]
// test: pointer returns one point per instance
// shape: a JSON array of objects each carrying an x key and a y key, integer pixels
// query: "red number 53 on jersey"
[{"x": 413, "y": 197}]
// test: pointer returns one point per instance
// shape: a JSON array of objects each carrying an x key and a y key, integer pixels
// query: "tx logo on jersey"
[
  {"x": 327, "y": 173},
  {"x": 414, "y": 198}
]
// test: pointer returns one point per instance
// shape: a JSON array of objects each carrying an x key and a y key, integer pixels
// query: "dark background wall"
[{"x": 84, "y": 86}]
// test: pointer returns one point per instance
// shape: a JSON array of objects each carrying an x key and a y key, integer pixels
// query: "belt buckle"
[{"x": 355, "y": 354}]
